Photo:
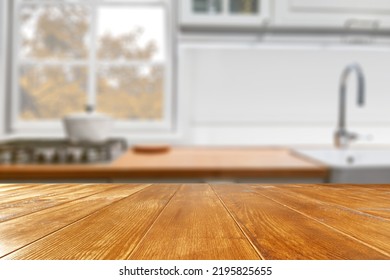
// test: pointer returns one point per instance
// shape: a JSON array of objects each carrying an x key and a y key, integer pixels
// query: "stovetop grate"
[{"x": 60, "y": 151}]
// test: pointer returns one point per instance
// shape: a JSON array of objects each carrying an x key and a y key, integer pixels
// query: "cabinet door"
[
  {"x": 224, "y": 13},
  {"x": 358, "y": 14}
]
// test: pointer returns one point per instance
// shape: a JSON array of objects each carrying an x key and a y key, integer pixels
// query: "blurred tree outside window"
[{"x": 74, "y": 53}]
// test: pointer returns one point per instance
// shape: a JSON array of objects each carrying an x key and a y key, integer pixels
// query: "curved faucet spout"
[
  {"x": 342, "y": 136},
  {"x": 360, "y": 79}
]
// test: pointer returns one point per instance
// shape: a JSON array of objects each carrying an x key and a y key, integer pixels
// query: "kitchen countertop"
[
  {"x": 180, "y": 163},
  {"x": 231, "y": 221}
]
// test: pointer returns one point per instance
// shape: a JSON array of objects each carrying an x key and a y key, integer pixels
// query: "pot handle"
[{"x": 89, "y": 108}]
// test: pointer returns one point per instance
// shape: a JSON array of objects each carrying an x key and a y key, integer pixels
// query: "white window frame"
[
  {"x": 167, "y": 124},
  {"x": 3, "y": 62}
]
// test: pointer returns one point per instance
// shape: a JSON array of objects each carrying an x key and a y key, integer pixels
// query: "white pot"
[{"x": 88, "y": 127}]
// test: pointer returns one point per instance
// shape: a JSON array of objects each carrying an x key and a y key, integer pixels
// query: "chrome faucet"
[{"x": 342, "y": 137}]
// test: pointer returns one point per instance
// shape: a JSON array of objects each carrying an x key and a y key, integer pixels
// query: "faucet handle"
[{"x": 343, "y": 138}]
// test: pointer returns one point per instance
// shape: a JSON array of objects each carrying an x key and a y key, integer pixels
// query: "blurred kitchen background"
[{"x": 195, "y": 90}]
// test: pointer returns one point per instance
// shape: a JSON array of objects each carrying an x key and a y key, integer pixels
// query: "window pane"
[
  {"x": 132, "y": 33},
  {"x": 244, "y": 6},
  {"x": 130, "y": 63},
  {"x": 51, "y": 92},
  {"x": 54, "y": 31},
  {"x": 135, "y": 93},
  {"x": 207, "y": 6}
]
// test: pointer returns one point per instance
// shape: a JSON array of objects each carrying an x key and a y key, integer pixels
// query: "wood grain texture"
[
  {"x": 41, "y": 197},
  {"x": 24, "y": 230},
  {"x": 7, "y": 189},
  {"x": 370, "y": 199},
  {"x": 121, "y": 221},
  {"x": 282, "y": 233},
  {"x": 352, "y": 196},
  {"x": 379, "y": 212},
  {"x": 21, "y": 191},
  {"x": 110, "y": 233},
  {"x": 181, "y": 162},
  {"x": 195, "y": 226},
  {"x": 369, "y": 229}
]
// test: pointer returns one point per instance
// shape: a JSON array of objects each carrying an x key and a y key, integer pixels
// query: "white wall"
[
  {"x": 255, "y": 93},
  {"x": 269, "y": 93}
]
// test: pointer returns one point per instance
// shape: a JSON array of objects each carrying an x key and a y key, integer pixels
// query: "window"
[{"x": 113, "y": 55}]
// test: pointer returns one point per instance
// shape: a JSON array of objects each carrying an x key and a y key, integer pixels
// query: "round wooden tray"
[{"x": 151, "y": 148}]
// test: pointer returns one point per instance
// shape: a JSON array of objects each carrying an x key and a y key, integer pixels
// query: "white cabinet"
[
  {"x": 224, "y": 13},
  {"x": 353, "y": 14}
]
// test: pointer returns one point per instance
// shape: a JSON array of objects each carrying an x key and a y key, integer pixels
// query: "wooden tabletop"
[
  {"x": 181, "y": 162},
  {"x": 113, "y": 221}
]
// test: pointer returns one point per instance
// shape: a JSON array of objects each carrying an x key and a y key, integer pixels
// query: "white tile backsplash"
[{"x": 275, "y": 94}]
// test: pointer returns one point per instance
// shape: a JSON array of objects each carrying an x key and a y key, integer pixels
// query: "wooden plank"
[
  {"x": 110, "y": 233},
  {"x": 369, "y": 229},
  {"x": 13, "y": 190},
  {"x": 5, "y": 185},
  {"x": 372, "y": 199},
  {"x": 50, "y": 196},
  {"x": 378, "y": 212},
  {"x": 347, "y": 195},
  {"x": 25, "y": 190},
  {"x": 195, "y": 225},
  {"x": 282, "y": 222},
  {"x": 377, "y": 193},
  {"x": 9, "y": 187},
  {"x": 42, "y": 223},
  {"x": 374, "y": 191},
  {"x": 28, "y": 191},
  {"x": 279, "y": 232}
]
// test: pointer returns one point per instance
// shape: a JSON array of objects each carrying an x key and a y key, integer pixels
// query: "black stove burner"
[{"x": 60, "y": 151}]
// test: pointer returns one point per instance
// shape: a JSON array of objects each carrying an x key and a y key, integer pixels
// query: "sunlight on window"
[
  {"x": 141, "y": 31},
  {"x": 138, "y": 90},
  {"x": 54, "y": 31},
  {"x": 57, "y": 63},
  {"x": 51, "y": 92}
]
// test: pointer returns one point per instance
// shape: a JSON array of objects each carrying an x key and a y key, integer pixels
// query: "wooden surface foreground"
[{"x": 121, "y": 221}]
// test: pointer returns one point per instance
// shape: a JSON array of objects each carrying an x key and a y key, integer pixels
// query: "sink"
[{"x": 358, "y": 166}]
